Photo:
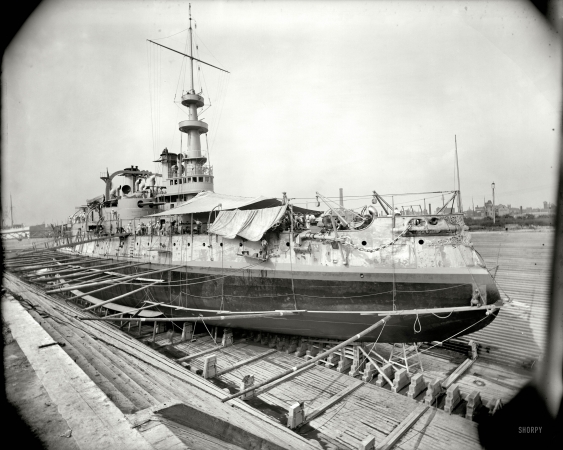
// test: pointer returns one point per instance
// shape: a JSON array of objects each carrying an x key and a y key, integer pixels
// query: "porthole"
[
  {"x": 221, "y": 244},
  {"x": 137, "y": 243},
  {"x": 361, "y": 275},
  {"x": 204, "y": 244},
  {"x": 174, "y": 244},
  {"x": 421, "y": 241},
  {"x": 189, "y": 244},
  {"x": 364, "y": 243},
  {"x": 287, "y": 244},
  {"x": 240, "y": 245}
]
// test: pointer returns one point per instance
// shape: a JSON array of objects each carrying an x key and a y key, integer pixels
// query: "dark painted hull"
[{"x": 333, "y": 301}]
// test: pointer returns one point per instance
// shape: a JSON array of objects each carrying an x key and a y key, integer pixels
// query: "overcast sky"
[{"x": 321, "y": 95}]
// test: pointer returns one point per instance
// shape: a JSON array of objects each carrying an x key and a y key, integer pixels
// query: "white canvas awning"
[
  {"x": 250, "y": 224},
  {"x": 206, "y": 201}
]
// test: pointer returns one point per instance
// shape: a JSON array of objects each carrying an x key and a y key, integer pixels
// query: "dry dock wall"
[{"x": 517, "y": 336}]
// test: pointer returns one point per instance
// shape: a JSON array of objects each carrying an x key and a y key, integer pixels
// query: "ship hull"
[{"x": 333, "y": 301}]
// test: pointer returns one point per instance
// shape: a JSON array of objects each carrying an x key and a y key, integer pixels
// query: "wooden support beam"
[
  {"x": 32, "y": 267},
  {"x": 331, "y": 401},
  {"x": 244, "y": 362},
  {"x": 115, "y": 281},
  {"x": 107, "y": 271},
  {"x": 78, "y": 268},
  {"x": 197, "y": 355},
  {"x": 133, "y": 311},
  {"x": 82, "y": 274},
  {"x": 101, "y": 275},
  {"x": 407, "y": 312},
  {"x": 401, "y": 429},
  {"x": 44, "y": 256},
  {"x": 69, "y": 274},
  {"x": 154, "y": 332},
  {"x": 457, "y": 373},
  {"x": 26, "y": 259},
  {"x": 196, "y": 319},
  {"x": 283, "y": 379},
  {"x": 105, "y": 302},
  {"x": 315, "y": 359},
  {"x": 16, "y": 263},
  {"x": 130, "y": 277}
]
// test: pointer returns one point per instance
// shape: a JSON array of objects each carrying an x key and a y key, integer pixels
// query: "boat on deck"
[{"x": 263, "y": 263}]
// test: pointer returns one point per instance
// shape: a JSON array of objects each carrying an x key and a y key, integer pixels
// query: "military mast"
[{"x": 192, "y": 176}]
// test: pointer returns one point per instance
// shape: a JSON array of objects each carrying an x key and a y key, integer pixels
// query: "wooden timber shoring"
[
  {"x": 105, "y": 302},
  {"x": 48, "y": 264},
  {"x": 84, "y": 271},
  {"x": 133, "y": 311},
  {"x": 95, "y": 276},
  {"x": 18, "y": 262},
  {"x": 72, "y": 273},
  {"x": 312, "y": 360},
  {"x": 79, "y": 266},
  {"x": 197, "y": 355},
  {"x": 68, "y": 270},
  {"x": 200, "y": 318},
  {"x": 108, "y": 272},
  {"x": 23, "y": 260},
  {"x": 46, "y": 255},
  {"x": 130, "y": 277},
  {"x": 457, "y": 373},
  {"x": 115, "y": 282},
  {"x": 406, "y": 312}
]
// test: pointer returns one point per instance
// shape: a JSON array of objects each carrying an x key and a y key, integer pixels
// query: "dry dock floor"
[{"x": 150, "y": 389}]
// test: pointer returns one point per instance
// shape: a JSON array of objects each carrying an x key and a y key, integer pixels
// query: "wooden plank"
[
  {"x": 334, "y": 399},
  {"x": 457, "y": 373},
  {"x": 202, "y": 353},
  {"x": 105, "y": 302},
  {"x": 401, "y": 429},
  {"x": 244, "y": 362}
]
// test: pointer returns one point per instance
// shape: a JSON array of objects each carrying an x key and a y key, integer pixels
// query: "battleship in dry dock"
[{"x": 259, "y": 264}]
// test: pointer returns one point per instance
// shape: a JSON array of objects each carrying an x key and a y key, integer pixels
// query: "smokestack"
[
  {"x": 429, "y": 208},
  {"x": 341, "y": 198}
]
